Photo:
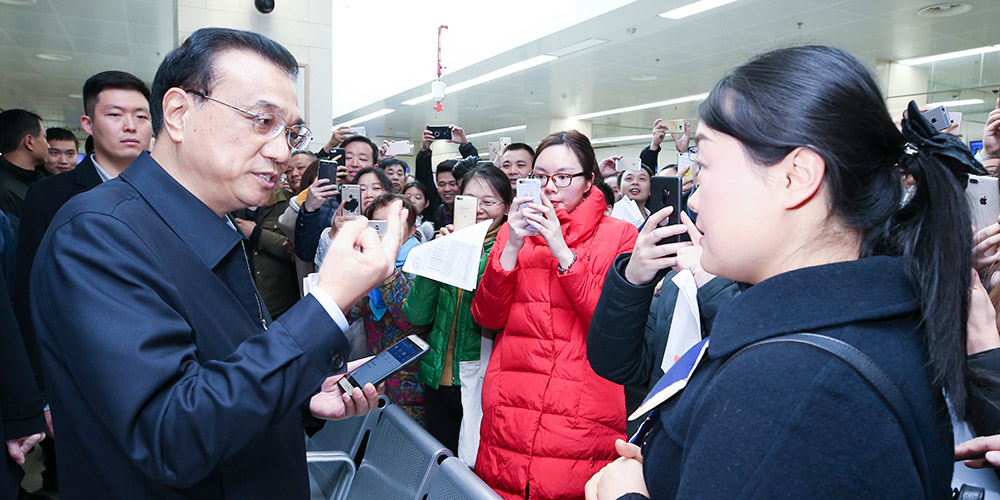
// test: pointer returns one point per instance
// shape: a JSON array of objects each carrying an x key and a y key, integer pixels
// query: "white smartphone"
[
  {"x": 494, "y": 151},
  {"x": 465, "y": 211},
  {"x": 623, "y": 164},
  {"x": 385, "y": 363},
  {"x": 504, "y": 142},
  {"x": 358, "y": 131},
  {"x": 956, "y": 119},
  {"x": 394, "y": 148},
  {"x": 351, "y": 195},
  {"x": 530, "y": 188},
  {"x": 379, "y": 226},
  {"x": 984, "y": 200}
]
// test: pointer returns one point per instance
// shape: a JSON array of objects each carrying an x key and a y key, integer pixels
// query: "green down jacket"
[{"x": 430, "y": 302}]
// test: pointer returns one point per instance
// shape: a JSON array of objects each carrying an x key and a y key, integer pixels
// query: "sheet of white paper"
[
  {"x": 627, "y": 210},
  {"x": 685, "y": 327},
  {"x": 452, "y": 259}
]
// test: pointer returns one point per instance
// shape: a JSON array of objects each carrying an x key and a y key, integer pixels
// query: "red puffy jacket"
[{"x": 549, "y": 422}]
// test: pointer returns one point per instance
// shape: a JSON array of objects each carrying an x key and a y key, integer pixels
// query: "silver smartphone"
[
  {"x": 984, "y": 200},
  {"x": 385, "y": 364},
  {"x": 465, "y": 211},
  {"x": 938, "y": 117},
  {"x": 351, "y": 195},
  {"x": 623, "y": 164},
  {"x": 379, "y": 226}
]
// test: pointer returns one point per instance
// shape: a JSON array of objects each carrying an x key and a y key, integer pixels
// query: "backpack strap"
[{"x": 870, "y": 371}]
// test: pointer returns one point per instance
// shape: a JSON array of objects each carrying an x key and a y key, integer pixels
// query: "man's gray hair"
[{"x": 303, "y": 152}]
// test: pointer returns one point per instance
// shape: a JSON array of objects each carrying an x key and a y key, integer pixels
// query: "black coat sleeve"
[
  {"x": 615, "y": 344},
  {"x": 29, "y": 235},
  {"x": 20, "y": 399},
  {"x": 650, "y": 158},
  {"x": 984, "y": 416},
  {"x": 425, "y": 174}
]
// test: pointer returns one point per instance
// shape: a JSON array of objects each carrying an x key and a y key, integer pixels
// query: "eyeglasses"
[
  {"x": 489, "y": 203},
  {"x": 269, "y": 124},
  {"x": 560, "y": 180}
]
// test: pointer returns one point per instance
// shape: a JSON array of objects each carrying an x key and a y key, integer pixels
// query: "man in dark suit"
[
  {"x": 165, "y": 377},
  {"x": 116, "y": 115}
]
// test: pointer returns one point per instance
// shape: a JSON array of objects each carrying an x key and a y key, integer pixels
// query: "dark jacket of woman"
[
  {"x": 790, "y": 421},
  {"x": 628, "y": 334}
]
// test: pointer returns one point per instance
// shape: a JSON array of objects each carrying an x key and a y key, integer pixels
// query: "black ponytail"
[{"x": 824, "y": 99}]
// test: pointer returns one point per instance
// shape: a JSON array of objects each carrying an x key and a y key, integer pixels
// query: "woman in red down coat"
[{"x": 549, "y": 422}]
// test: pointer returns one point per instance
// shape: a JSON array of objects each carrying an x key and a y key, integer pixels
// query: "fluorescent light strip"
[
  {"x": 694, "y": 8},
  {"x": 362, "y": 119},
  {"x": 955, "y": 104},
  {"x": 497, "y": 131},
  {"x": 577, "y": 47},
  {"x": 659, "y": 104},
  {"x": 492, "y": 75},
  {"x": 950, "y": 55},
  {"x": 623, "y": 138}
]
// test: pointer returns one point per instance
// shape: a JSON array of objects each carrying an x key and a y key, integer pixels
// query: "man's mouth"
[{"x": 267, "y": 179}]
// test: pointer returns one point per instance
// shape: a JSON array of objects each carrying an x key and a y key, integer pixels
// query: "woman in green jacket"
[{"x": 456, "y": 339}]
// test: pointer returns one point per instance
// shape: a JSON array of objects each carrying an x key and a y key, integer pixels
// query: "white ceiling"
[
  {"x": 126, "y": 35},
  {"x": 687, "y": 56}
]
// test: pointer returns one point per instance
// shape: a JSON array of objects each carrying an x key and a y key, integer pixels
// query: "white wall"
[{"x": 302, "y": 26}]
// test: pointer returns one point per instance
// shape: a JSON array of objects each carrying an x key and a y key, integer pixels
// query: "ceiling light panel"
[
  {"x": 955, "y": 104},
  {"x": 694, "y": 8},
  {"x": 497, "y": 131},
  {"x": 915, "y": 61},
  {"x": 492, "y": 75},
  {"x": 658, "y": 104},
  {"x": 362, "y": 119}
]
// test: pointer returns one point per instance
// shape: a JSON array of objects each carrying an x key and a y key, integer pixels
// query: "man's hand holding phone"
[
  {"x": 648, "y": 256},
  {"x": 338, "y": 137},
  {"x": 458, "y": 135},
  {"x": 319, "y": 192},
  {"x": 332, "y": 403},
  {"x": 991, "y": 133}
]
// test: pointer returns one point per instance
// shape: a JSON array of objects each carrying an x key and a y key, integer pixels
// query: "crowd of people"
[{"x": 161, "y": 338}]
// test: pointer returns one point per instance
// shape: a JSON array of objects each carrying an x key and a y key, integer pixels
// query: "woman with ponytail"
[{"x": 845, "y": 227}]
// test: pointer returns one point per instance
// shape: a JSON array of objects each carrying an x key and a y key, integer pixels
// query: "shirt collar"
[
  {"x": 189, "y": 218},
  {"x": 105, "y": 176},
  {"x": 813, "y": 298}
]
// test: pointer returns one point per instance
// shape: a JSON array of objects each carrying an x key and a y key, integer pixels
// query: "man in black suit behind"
[{"x": 116, "y": 107}]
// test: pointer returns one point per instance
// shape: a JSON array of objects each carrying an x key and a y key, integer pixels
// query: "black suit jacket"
[
  {"x": 43, "y": 200},
  {"x": 162, "y": 381}
]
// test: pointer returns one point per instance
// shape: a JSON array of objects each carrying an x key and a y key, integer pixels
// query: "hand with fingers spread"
[
  {"x": 332, "y": 403},
  {"x": 982, "y": 452},
  {"x": 648, "y": 256},
  {"x": 620, "y": 477},
  {"x": 681, "y": 141},
  {"x": 607, "y": 166},
  {"x": 319, "y": 192},
  {"x": 358, "y": 260},
  {"x": 543, "y": 218},
  {"x": 17, "y": 448},
  {"x": 458, "y": 135}
]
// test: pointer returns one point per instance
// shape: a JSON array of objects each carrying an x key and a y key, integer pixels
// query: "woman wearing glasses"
[{"x": 549, "y": 422}]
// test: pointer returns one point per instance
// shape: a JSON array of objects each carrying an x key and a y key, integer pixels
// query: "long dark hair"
[{"x": 824, "y": 99}]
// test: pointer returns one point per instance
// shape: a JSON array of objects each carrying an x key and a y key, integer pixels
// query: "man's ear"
[
  {"x": 30, "y": 142},
  {"x": 87, "y": 123},
  {"x": 176, "y": 106},
  {"x": 802, "y": 174}
]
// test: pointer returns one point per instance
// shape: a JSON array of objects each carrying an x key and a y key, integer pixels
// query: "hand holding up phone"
[
  {"x": 648, "y": 256},
  {"x": 991, "y": 133}
]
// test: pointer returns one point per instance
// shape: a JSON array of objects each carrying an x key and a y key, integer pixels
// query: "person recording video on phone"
[
  {"x": 167, "y": 378},
  {"x": 442, "y": 178},
  {"x": 549, "y": 421},
  {"x": 322, "y": 198}
]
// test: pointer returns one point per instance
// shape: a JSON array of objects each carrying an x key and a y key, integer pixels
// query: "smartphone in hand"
[
  {"x": 351, "y": 194},
  {"x": 665, "y": 191},
  {"x": 529, "y": 188},
  {"x": 441, "y": 132},
  {"x": 385, "y": 364},
  {"x": 465, "y": 211}
]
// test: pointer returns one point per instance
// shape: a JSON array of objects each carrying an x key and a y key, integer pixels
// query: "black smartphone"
[
  {"x": 386, "y": 363},
  {"x": 339, "y": 154},
  {"x": 443, "y": 132},
  {"x": 666, "y": 192},
  {"x": 327, "y": 170}
]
